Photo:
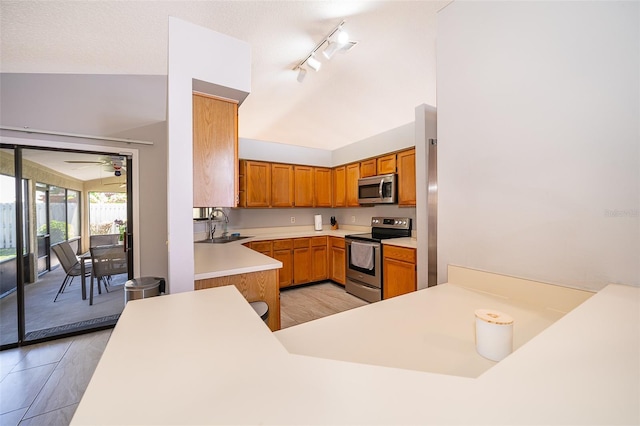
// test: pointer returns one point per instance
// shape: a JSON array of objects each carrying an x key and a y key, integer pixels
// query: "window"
[
  {"x": 107, "y": 212},
  {"x": 64, "y": 214},
  {"x": 73, "y": 213}
]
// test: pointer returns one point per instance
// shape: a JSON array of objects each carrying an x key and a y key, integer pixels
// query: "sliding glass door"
[
  {"x": 45, "y": 217},
  {"x": 8, "y": 249}
]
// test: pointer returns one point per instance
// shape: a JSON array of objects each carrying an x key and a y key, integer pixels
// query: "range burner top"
[{"x": 383, "y": 228}]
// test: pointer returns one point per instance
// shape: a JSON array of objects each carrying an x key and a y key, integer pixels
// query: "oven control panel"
[{"x": 391, "y": 222}]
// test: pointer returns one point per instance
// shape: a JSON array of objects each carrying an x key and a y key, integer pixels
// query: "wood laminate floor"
[
  {"x": 302, "y": 304},
  {"x": 42, "y": 384}
]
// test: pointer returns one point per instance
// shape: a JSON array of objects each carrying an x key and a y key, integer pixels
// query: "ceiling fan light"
[
  {"x": 314, "y": 64},
  {"x": 302, "y": 73}
]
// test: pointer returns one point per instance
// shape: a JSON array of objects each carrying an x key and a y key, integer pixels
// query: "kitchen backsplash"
[{"x": 267, "y": 218}]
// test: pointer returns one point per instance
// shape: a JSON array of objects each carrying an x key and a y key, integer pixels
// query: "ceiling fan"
[{"x": 111, "y": 163}]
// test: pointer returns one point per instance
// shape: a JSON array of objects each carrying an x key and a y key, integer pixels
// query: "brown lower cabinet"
[
  {"x": 283, "y": 251},
  {"x": 337, "y": 266},
  {"x": 319, "y": 270},
  {"x": 301, "y": 260},
  {"x": 304, "y": 260},
  {"x": 254, "y": 286},
  {"x": 399, "y": 265}
]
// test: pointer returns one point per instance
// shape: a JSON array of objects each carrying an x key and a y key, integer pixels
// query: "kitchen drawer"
[
  {"x": 301, "y": 243},
  {"x": 337, "y": 242},
  {"x": 399, "y": 253},
  {"x": 283, "y": 244},
  {"x": 318, "y": 241},
  {"x": 261, "y": 246}
]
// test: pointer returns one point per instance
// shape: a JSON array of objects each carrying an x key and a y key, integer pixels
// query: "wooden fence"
[{"x": 102, "y": 220}]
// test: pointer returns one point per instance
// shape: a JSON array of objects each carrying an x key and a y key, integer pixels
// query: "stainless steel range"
[{"x": 364, "y": 256}]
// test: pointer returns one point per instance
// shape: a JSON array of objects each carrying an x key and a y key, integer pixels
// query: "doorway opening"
[{"x": 52, "y": 291}]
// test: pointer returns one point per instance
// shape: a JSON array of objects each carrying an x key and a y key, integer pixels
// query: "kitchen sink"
[{"x": 222, "y": 240}]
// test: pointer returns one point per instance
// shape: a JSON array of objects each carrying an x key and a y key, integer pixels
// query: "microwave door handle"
[{"x": 380, "y": 188}]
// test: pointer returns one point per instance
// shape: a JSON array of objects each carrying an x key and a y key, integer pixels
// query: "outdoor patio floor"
[{"x": 44, "y": 318}]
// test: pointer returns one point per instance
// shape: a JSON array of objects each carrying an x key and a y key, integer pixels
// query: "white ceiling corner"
[{"x": 367, "y": 91}]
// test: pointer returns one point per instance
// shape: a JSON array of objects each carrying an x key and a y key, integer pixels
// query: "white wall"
[
  {"x": 226, "y": 66},
  {"x": 252, "y": 149},
  {"x": 392, "y": 140},
  {"x": 538, "y": 140}
]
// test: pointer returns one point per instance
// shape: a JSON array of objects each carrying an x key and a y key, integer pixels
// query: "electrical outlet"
[
  {"x": 293, "y": 219},
  {"x": 353, "y": 219}
]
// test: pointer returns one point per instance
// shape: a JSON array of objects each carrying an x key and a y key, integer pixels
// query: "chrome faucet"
[{"x": 226, "y": 221}]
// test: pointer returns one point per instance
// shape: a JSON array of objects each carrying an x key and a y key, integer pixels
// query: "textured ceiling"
[{"x": 371, "y": 89}]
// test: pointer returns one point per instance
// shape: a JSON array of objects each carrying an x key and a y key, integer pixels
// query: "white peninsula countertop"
[
  {"x": 219, "y": 260},
  {"x": 205, "y": 358}
]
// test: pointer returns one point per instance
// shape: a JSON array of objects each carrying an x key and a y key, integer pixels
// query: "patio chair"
[
  {"x": 70, "y": 264},
  {"x": 103, "y": 240},
  {"x": 106, "y": 261}
]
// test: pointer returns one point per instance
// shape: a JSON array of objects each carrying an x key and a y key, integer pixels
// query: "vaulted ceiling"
[{"x": 366, "y": 91}]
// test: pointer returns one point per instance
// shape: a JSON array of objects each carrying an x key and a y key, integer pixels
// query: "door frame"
[{"x": 135, "y": 178}]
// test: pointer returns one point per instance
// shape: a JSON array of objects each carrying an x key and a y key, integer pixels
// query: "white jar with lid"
[{"x": 494, "y": 334}]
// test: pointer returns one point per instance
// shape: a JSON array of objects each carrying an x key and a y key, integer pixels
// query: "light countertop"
[
  {"x": 205, "y": 357},
  {"x": 440, "y": 342},
  {"x": 217, "y": 260}
]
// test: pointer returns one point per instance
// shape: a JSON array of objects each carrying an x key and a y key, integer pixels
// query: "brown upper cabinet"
[
  {"x": 407, "y": 178},
  {"x": 351, "y": 184},
  {"x": 264, "y": 184},
  {"x": 387, "y": 164},
  {"x": 322, "y": 187},
  {"x": 339, "y": 186},
  {"x": 256, "y": 179},
  {"x": 282, "y": 185},
  {"x": 303, "y": 186},
  {"x": 215, "y": 152},
  {"x": 368, "y": 168}
]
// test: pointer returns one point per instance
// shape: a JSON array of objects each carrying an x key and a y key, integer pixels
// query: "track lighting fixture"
[
  {"x": 313, "y": 63},
  {"x": 336, "y": 41}
]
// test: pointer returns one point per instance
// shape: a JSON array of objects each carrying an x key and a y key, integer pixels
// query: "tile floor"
[
  {"x": 42, "y": 384},
  {"x": 42, "y": 313}
]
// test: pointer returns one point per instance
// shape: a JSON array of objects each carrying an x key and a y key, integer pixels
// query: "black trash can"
[{"x": 143, "y": 287}]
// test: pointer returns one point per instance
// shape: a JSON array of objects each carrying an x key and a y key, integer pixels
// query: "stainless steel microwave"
[{"x": 378, "y": 189}]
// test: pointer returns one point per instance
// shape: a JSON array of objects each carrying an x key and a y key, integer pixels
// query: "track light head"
[
  {"x": 314, "y": 64},
  {"x": 350, "y": 45},
  {"x": 342, "y": 38},
  {"x": 302, "y": 73},
  {"x": 332, "y": 47}
]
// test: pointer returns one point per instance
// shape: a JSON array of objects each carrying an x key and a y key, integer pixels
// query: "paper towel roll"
[
  {"x": 317, "y": 220},
  {"x": 494, "y": 334}
]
